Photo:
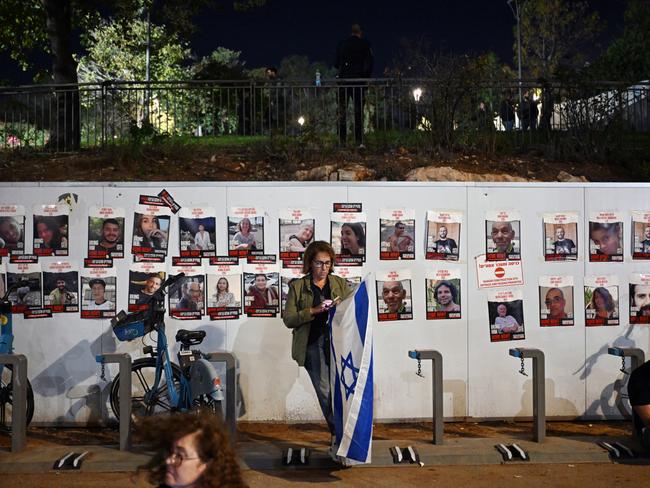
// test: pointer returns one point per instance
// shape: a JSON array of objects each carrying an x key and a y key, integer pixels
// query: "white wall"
[{"x": 481, "y": 379}]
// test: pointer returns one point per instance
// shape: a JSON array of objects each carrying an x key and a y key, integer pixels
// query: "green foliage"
[
  {"x": 553, "y": 33},
  {"x": 299, "y": 69},
  {"x": 118, "y": 52},
  {"x": 628, "y": 57},
  {"x": 22, "y": 29},
  {"x": 221, "y": 64}
]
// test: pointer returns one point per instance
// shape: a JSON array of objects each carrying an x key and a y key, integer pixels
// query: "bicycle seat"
[{"x": 190, "y": 337}]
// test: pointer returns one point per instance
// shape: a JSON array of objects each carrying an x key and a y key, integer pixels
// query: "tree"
[
  {"x": 118, "y": 53},
  {"x": 554, "y": 33},
  {"x": 53, "y": 26},
  {"x": 628, "y": 57}
]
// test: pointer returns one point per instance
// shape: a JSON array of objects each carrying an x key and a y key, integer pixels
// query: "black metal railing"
[{"x": 68, "y": 117}]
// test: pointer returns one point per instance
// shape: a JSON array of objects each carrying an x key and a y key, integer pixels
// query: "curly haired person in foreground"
[{"x": 191, "y": 451}]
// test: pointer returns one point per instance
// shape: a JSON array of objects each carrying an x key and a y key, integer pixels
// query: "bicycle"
[
  {"x": 158, "y": 384},
  {"x": 6, "y": 371}
]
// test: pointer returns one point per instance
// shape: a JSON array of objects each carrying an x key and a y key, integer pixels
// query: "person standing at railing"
[
  {"x": 353, "y": 60},
  {"x": 507, "y": 112}
]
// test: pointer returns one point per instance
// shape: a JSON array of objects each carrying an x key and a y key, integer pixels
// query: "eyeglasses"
[
  {"x": 176, "y": 459},
  {"x": 400, "y": 228},
  {"x": 320, "y": 264}
]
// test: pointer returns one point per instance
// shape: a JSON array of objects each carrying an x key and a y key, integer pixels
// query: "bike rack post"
[
  {"x": 539, "y": 389},
  {"x": 231, "y": 388},
  {"x": 437, "y": 388},
  {"x": 124, "y": 361},
  {"x": 637, "y": 355},
  {"x": 19, "y": 399},
  {"x": 637, "y": 358}
]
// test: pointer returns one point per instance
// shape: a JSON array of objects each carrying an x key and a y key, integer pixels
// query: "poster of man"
[
  {"x": 503, "y": 237},
  {"x": 12, "y": 230},
  {"x": 105, "y": 232},
  {"x": 601, "y": 300},
  {"x": 245, "y": 231},
  {"x": 556, "y": 301},
  {"x": 150, "y": 232},
  {"x": 51, "y": 230},
  {"x": 443, "y": 294},
  {"x": 61, "y": 287},
  {"x": 348, "y": 237},
  {"x": 197, "y": 227},
  {"x": 396, "y": 234},
  {"x": 27, "y": 294},
  {"x": 187, "y": 295},
  {"x": 99, "y": 293},
  {"x": 144, "y": 280},
  {"x": 560, "y": 236},
  {"x": 606, "y": 237},
  {"x": 640, "y": 298},
  {"x": 443, "y": 235},
  {"x": 286, "y": 277},
  {"x": 297, "y": 231},
  {"x": 224, "y": 292},
  {"x": 262, "y": 290},
  {"x": 506, "y": 314},
  {"x": 394, "y": 297},
  {"x": 640, "y": 235}
]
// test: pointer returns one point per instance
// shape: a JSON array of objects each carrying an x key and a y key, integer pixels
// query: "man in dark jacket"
[{"x": 353, "y": 60}]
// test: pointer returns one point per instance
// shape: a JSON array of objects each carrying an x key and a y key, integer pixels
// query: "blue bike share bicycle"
[
  {"x": 6, "y": 371},
  {"x": 158, "y": 384}
]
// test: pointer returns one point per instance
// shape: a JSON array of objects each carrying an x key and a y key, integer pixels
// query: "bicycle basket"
[{"x": 132, "y": 326}]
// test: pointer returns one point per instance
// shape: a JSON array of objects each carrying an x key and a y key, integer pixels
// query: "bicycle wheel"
[
  {"x": 143, "y": 374},
  {"x": 6, "y": 399},
  {"x": 204, "y": 402}
]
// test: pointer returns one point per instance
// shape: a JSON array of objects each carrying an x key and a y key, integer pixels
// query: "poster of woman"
[{"x": 51, "y": 230}]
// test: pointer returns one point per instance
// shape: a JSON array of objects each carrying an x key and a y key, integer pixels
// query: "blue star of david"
[{"x": 347, "y": 363}]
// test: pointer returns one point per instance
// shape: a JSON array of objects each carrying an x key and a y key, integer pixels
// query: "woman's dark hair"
[
  {"x": 52, "y": 224},
  {"x": 310, "y": 254},
  {"x": 613, "y": 228},
  {"x": 357, "y": 228},
  {"x": 250, "y": 224},
  {"x": 227, "y": 284},
  {"x": 212, "y": 445},
  {"x": 138, "y": 229},
  {"x": 448, "y": 284},
  {"x": 605, "y": 295}
]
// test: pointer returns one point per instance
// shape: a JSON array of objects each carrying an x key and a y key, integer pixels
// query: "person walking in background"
[
  {"x": 507, "y": 112},
  {"x": 353, "y": 60}
]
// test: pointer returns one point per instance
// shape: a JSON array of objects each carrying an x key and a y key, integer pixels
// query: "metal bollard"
[
  {"x": 437, "y": 388},
  {"x": 19, "y": 399},
  {"x": 539, "y": 389},
  {"x": 124, "y": 361},
  {"x": 637, "y": 358},
  {"x": 231, "y": 388}
]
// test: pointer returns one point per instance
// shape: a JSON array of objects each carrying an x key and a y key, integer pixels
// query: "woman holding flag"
[{"x": 308, "y": 302}]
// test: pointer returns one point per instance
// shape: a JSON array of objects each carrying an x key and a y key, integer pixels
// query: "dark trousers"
[
  {"x": 317, "y": 364},
  {"x": 355, "y": 92}
]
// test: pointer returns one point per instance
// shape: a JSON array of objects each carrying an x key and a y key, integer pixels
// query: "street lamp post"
[{"x": 516, "y": 11}]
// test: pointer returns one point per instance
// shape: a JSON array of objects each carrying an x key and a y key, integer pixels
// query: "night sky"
[{"x": 311, "y": 28}]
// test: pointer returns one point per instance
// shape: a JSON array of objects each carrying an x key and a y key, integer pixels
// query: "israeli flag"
[{"x": 351, "y": 376}]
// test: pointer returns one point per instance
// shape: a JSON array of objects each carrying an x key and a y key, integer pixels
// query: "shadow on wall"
[
  {"x": 454, "y": 393},
  {"x": 66, "y": 375},
  {"x": 555, "y": 406},
  {"x": 272, "y": 385},
  {"x": 612, "y": 400}
]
